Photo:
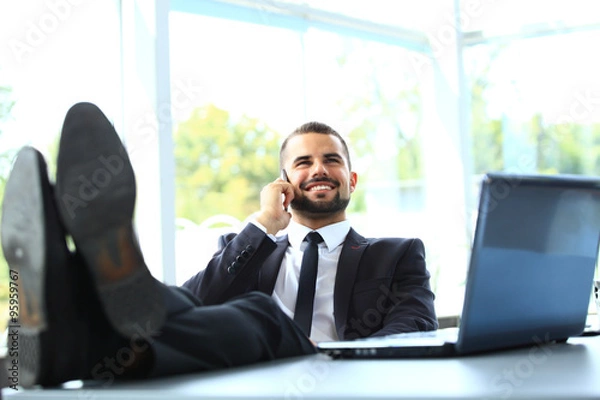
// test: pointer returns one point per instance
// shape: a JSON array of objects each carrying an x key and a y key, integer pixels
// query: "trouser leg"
[{"x": 248, "y": 329}]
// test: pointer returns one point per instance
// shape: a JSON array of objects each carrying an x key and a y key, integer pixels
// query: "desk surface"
[{"x": 564, "y": 371}]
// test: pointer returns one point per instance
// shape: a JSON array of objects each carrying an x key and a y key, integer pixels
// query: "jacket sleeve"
[
  {"x": 410, "y": 300},
  {"x": 234, "y": 269},
  {"x": 391, "y": 292}
]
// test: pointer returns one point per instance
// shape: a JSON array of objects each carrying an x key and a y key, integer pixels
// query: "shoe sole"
[
  {"x": 95, "y": 189},
  {"x": 23, "y": 238}
]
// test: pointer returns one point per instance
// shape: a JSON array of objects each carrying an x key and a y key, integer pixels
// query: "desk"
[{"x": 565, "y": 371}]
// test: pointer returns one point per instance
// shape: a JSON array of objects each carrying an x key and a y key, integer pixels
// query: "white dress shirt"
[{"x": 286, "y": 286}]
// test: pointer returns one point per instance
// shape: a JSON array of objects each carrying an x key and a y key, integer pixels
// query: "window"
[
  {"x": 261, "y": 69},
  {"x": 536, "y": 105},
  {"x": 257, "y": 79},
  {"x": 245, "y": 73},
  {"x": 54, "y": 54}
]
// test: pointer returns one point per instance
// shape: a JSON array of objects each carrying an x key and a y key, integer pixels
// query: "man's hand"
[{"x": 274, "y": 201}]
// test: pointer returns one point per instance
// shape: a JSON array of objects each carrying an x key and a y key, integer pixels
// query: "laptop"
[{"x": 530, "y": 275}]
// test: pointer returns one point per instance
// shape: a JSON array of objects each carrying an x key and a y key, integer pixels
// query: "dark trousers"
[{"x": 245, "y": 330}]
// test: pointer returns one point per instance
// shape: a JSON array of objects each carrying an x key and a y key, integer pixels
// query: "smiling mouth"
[{"x": 320, "y": 187}]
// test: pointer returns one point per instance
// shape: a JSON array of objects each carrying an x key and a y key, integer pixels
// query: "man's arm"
[
  {"x": 391, "y": 291},
  {"x": 410, "y": 299},
  {"x": 234, "y": 269}
]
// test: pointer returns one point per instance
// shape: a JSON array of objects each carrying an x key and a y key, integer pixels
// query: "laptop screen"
[{"x": 533, "y": 260}]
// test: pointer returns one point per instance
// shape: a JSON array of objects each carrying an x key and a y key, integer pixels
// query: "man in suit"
[
  {"x": 95, "y": 311},
  {"x": 365, "y": 287}
]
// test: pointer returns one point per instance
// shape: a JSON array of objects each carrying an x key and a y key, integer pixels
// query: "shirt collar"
[{"x": 333, "y": 235}]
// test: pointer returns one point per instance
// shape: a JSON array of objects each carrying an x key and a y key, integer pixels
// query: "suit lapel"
[
  {"x": 270, "y": 269},
  {"x": 352, "y": 251}
]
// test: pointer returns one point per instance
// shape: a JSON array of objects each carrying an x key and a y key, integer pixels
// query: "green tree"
[
  {"x": 570, "y": 149},
  {"x": 222, "y": 164},
  {"x": 372, "y": 106},
  {"x": 486, "y": 132},
  {"x": 567, "y": 148}
]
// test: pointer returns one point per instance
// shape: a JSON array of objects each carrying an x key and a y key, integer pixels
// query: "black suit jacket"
[{"x": 381, "y": 287}]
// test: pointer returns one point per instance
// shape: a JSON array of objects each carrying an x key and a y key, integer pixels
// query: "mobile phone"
[{"x": 285, "y": 178}]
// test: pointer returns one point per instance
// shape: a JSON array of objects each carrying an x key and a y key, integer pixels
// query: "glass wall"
[
  {"x": 422, "y": 130},
  {"x": 536, "y": 104},
  {"x": 242, "y": 74},
  {"x": 257, "y": 77}
]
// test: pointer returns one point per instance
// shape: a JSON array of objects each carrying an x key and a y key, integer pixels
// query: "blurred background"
[{"x": 430, "y": 95}]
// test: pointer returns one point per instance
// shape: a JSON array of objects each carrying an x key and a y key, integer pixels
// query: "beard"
[{"x": 307, "y": 206}]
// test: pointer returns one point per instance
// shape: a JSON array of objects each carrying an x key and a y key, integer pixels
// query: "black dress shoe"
[
  {"x": 95, "y": 196},
  {"x": 49, "y": 338}
]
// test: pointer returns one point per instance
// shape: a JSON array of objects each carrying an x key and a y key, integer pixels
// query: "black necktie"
[{"x": 306, "y": 284}]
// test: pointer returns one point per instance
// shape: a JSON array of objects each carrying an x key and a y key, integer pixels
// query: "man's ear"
[{"x": 353, "y": 180}]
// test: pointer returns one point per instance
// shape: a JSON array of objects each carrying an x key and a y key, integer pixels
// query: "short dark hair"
[{"x": 314, "y": 127}]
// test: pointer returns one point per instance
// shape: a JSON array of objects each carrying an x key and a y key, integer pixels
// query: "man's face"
[{"x": 318, "y": 169}]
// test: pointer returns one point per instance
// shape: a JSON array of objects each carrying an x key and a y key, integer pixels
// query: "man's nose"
[{"x": 319, "y": 169}]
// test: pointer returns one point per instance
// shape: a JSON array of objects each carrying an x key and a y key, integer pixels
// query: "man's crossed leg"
[{"x": 95, "y": 311}]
